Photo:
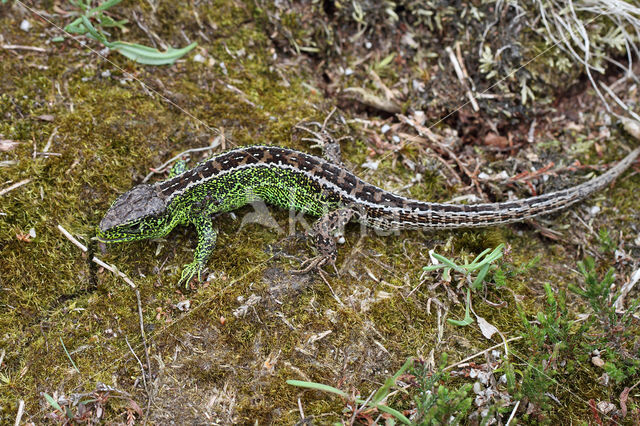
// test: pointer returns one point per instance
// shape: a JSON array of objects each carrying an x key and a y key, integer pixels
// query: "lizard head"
[{"x": 137, "y": 214}]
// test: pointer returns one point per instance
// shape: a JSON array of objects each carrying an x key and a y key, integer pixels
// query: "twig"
[
  {"x": 413, "y": 138},
  {"x": 131, "y": 284},
  {"x": 481, "y": 352},
  {"x": 330, "y": 288},
  {"x": 243, "y": 96},
  {"x": 619, "y": 101},
  {"x": 45, "y": 150},
  {"x": 301, "y": 410},
  {"x": 14, "y": 186},
  {"x": 153, "y": 37},
  {"x": 532, "y": 129},
  {"x": 625, "y": 289},
  {"x": 378, "y": 82},
  {"x": 426, "y": 132},
  {"x": 20, "y": 412},
  {"x": 144, "y": 373},
  {"x": 513, "y": 413},
  {"x": 20, "y": 47},
  {"x": 461, "y": 77},
  {"x": 472, "y": 176},
  {"x": 95, "y": 259},
  {"x": 527, "y": 175},
  {"x": 144, "y": 337},
  {"x": 422, "y": 130},
  {"x": 357, "y": 409}
]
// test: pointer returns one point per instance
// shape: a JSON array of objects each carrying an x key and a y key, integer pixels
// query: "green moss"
[{"x": 109, "y": 133}]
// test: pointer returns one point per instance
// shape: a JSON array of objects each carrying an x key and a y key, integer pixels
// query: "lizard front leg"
[
  {"x": 207, "y": 236},
  {"x": 178, "y": 167},
  {"x": 324, "y": 233}
]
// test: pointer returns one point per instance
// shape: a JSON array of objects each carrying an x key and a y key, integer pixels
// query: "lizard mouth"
[{"x": 117, "y": 234}]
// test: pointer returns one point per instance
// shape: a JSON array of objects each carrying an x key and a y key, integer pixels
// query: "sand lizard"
[{"x": 320, "y": 187}]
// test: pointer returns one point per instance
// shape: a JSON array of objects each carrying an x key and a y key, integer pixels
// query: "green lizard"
[{"x": 320, "y": 187}]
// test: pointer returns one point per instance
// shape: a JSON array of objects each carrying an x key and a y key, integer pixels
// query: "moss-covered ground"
[{"x": 70, "y": 329}]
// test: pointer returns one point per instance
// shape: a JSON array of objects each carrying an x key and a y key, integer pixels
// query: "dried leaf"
[
  {"x": 371, "y": 100},
  {"x": 496, "y": 140},
  {"x": 135, "y": 407},
  {"x": 623, "y": 401},
  {"x": 487, "y": 329},
  {"x": 46, "y": 117},
  {"x": 597, "y": 361}
]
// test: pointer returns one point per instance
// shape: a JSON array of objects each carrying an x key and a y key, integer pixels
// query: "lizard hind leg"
[{"x": 324, "y": 233}]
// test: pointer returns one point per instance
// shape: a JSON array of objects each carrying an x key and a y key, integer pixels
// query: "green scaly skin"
[
  {"x": 294, "y": 180},
  {"x": 197, "y": 206}
]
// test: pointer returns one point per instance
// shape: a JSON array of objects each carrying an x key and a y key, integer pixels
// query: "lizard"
[{"x": 320, "y": 187}]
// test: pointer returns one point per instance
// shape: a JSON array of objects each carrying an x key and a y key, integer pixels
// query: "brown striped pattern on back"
[{"x": 375, "y": 206}]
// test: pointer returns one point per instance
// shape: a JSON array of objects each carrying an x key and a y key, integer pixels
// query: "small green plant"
[
  {"x": 96, "y": 13},
  {"x": 142, "y": 54},
  {"x": 375, "y": 402},
  {"x": 549, "y": 343},
  {"x": 558, "y": 343},
  {"x": 435, "y": 403},
  {"x": 597, "y": 292},
  {"x": 480, "y": 266},
  {"x": 612, "y": 330},
  {"x": 607, "y": 244}
]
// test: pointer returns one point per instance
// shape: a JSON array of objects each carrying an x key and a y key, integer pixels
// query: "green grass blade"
[
  {"x": 149, "y": 56},
  {"x": 104, "y": 6},
  {"x": 467, "y": 316},
  {"x": 318, "y": 386},
  {"x": 478, "y": 257},
  {"x": 433, "y": 267},
  {"x": 384, "y": 389},
  {"x": 395, "y": 413},
  {"x": 448, "y": 262},
  {"x": 98, "y": 36},
  {"x": 52, "y": 402},
  {"x": 481, "y": 275},
  {"x": 75, "y": 367}
]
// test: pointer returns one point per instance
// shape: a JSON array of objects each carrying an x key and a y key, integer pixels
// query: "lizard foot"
[
  {"x": 315, "y": 263},
  {"x": 189, "y": 272},
  {"x": 325, "y": 232}
]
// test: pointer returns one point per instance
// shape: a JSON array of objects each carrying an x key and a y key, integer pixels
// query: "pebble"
[
  {"x": 597, "y": 361},
  {"x": 606, "y": 407},
  {"x": 25, "y": 25},
  {"x": 373, "y": 165},
  {"x": 183, "y": 305}
]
